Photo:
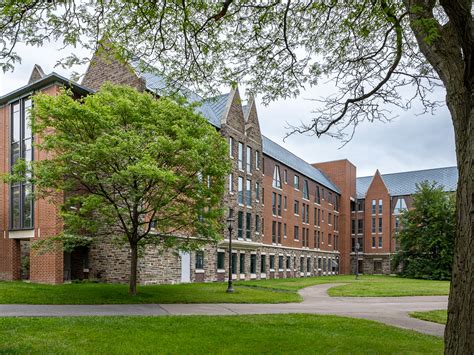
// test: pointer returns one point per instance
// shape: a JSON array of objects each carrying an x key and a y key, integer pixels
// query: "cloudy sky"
[{"x": 409, "y": 142}]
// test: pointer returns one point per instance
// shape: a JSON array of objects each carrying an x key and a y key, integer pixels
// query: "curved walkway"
[{"x": 389, "y": 310}]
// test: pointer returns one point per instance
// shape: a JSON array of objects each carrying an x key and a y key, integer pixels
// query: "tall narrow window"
[
  {"x": 253, "y": 263},
  {"x": 380, "y": 225},
  {"x": 296, "y": 207},
  {"x": 360, "y": 226},
  {"x": 240, "y": 225},
  {"x": 373, "y": 225},
  {"x": 240, "y": 192},
  {"x": 274, "y": 232},
  {"x": 199, "y": 260},
  {"x": 257, "y": 160},
  {"x": 279, "y": 205},
  {"x": 285, "y": 204},
  {"x": 249, "y": 160},
  {"x": 21, "y": 194},
  {"x": 263, "y": 263},
  {"x": 231, "y": 182},
  {"x": 305, "y": 190},
  {"x": 380, "y": 241},
  {"x": 296, "y": 182},
  {"x": 257, "y": 191},
  {"x": 380, "y": 207},
  {"x": 374, "y": 203},
  {"x": 279, "y": 232},
  {"x": 241, "y": 156},
  {"x": 274, "y": 207},
  {"x": 285, "y": 176},
  {"x": 231, "y": 147},
  {"x": 248, "y": 226},
  {"x": 297, "y": 233},
  {"x": 318, "y": 195},
  {"x": 248, "y": 192},
  {"x": 242, "y": 263},
  {"x": 257, "y": 223},
  {"x": 276, "y": 177}
]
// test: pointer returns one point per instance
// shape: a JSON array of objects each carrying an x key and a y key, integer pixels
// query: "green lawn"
[
  {"x": 264, "y": 291},
  {"x": 439, "y": 316},
  {"x": 293, "y": 333}
]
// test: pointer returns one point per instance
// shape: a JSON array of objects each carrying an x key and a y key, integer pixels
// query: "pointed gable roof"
[{"x": 36, "y": 74}]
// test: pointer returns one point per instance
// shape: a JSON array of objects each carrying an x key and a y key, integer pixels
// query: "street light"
[
  {"x": 230, "y": 220},
  {"x": 357, "y": 246}
]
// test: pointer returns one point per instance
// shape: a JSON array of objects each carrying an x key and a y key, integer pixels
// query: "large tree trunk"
[
  {"x": 459, "y": 333},
  {"x": 132, "y": 289}
]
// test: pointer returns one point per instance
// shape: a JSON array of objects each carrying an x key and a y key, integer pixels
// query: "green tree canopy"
[
  {"x": 124, "y": 158},
  {"x": 427, "y": 234}
]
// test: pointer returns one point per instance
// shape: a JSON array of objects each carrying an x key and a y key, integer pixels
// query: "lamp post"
[
  {"x": 357, "y": 246},
  {"x": 230, "y": 220}
]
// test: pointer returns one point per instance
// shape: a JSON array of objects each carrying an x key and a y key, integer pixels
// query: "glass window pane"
[
  {"x": 28, "y": 206},
  {"x": 27, "y": 118},
  {"x": 15, "y": 207},
  {"x": 16, "y": 123}
]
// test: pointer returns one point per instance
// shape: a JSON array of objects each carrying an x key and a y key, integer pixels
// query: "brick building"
[{"x": 293, "y": 219}]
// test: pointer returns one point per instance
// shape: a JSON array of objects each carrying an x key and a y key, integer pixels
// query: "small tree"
[
  {"x": 122, "y": 159},
  {"x": 427, "y": 234}
]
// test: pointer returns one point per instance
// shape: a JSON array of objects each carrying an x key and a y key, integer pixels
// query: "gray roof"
[
  {"x": 213, "y": 108},
  {"x": 404, "y": 183},
  {"x": 284, "y": 156}
]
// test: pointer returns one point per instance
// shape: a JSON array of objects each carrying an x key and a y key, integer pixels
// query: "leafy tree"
[
  {"x": 122, "y": 159},
  {"x": 427, "y": 234},
  {"x": 372, "y": 49}
]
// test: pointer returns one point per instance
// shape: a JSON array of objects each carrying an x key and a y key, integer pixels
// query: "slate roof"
[
  {"x": 284, "y": 156},
  {"x": 404, "y": 183},
  {"x": 213, "y": 109}
]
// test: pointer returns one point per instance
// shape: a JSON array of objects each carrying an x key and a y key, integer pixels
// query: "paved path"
[{"x": 388, "y": 310}]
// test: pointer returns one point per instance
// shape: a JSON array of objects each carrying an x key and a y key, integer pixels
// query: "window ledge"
[{"x": 199, "y": 271}]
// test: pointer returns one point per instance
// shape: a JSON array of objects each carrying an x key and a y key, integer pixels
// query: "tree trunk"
[
  {"x": 459, "y": 333},
  {"x": 132, "y": 289}
]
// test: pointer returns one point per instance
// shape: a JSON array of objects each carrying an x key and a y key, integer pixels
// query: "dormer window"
[{"x": 276, "y": 177}]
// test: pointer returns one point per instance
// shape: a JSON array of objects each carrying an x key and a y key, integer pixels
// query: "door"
[{"x": 185, "y": 266}]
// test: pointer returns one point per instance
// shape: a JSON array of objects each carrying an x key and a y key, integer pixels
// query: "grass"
[
  {"x": 292, "y": 333},
  {"x": 439, "y": 316},
  {"x": 258, "y": 291}
]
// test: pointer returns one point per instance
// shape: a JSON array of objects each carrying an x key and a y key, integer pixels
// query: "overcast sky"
[{"x": 409, "y": 142}]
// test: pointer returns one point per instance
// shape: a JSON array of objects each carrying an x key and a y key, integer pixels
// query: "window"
[
  {"x": 308, "y": 264},
  {"x": 285, "y": 176},
  {"x": 374, "y": 206},
  {"x": 231, "y": 147},
  {"x": 296, "y": 182},
  {"x": 305, "y": 190},
  {"x": 319, "y": 218},
  {"x": 249, "y": 160},
  {"x": 276, "y": 177},
  {"x": 319, "y": 262},
  {"x": 279, "y": 232},
  {"x": 242, "y": 263},
  {"x": 302, "y": 264},
  {"x": 248, "y": 193},
  {"x": 257, "y": 223},
  {"x": 263, "y": 262},
  {"x": 21, "y": 194},
  {"x": 353, "y": 226},
  {"x": 257, "y": 160},
  {"x": 318, "y": 195},
  {"x": 272, "y": 262},
  {"x": 380, "y": 206},
  {"x": 336, "y": 206},
  {"x": 380, "y": 241},
  {"x": 330, "y": 218},
  {"x": 274, "y": 209},
  {"x": 324, "y": 265},
  {"x": 397, "y": 224},
  {"x": 263, "y": 166},
  {"x": 380, "y": 225},
  {"x": 257, "y": 191},
  {"x": 231, "y": 182},
  {"x": 297, "y": 233},
  {"x": 234, "y": 263},
  {"x": 322, "y": 237},
  {"x": 288, "y": 262},
  {"x": 240, "y": 224},
  {"x": 263, "y": 226},
  {"x": 317, "y": 242},
  {"x": 248, "y": 225},
  {"x": 373, "y": 224},
  {"x": 274, "y": 232},
  {"x": 360, "y": 226},
  {"x": 263, "y": 196},
  {"x": 240, "y": 190},
  {"x": 329, "y": 239},
  {"x": 279, "y": 205},
  {"x": 241, "y": 156},
  {"x": 220, "y": 260},
  {"x": 296, "y": 207},
  {"x": 400, "y": 206},
  {"x": 373, "y": 241},
  {"x": 322, "y": 215},
  {"x": 360, "y": 205},
  {"x": 280, "y": 262},
  {"x": 253, "y": 263},
  {"x": 323, "y": 194},
  {"x": 330, "y": 198},
  {"x": 199, "y": 260},
  {"x": 284, "y": 202},
  {"x": 284, "y": 230}
]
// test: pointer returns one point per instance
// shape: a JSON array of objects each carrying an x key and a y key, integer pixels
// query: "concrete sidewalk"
[{"x": 388, "y": 310}]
